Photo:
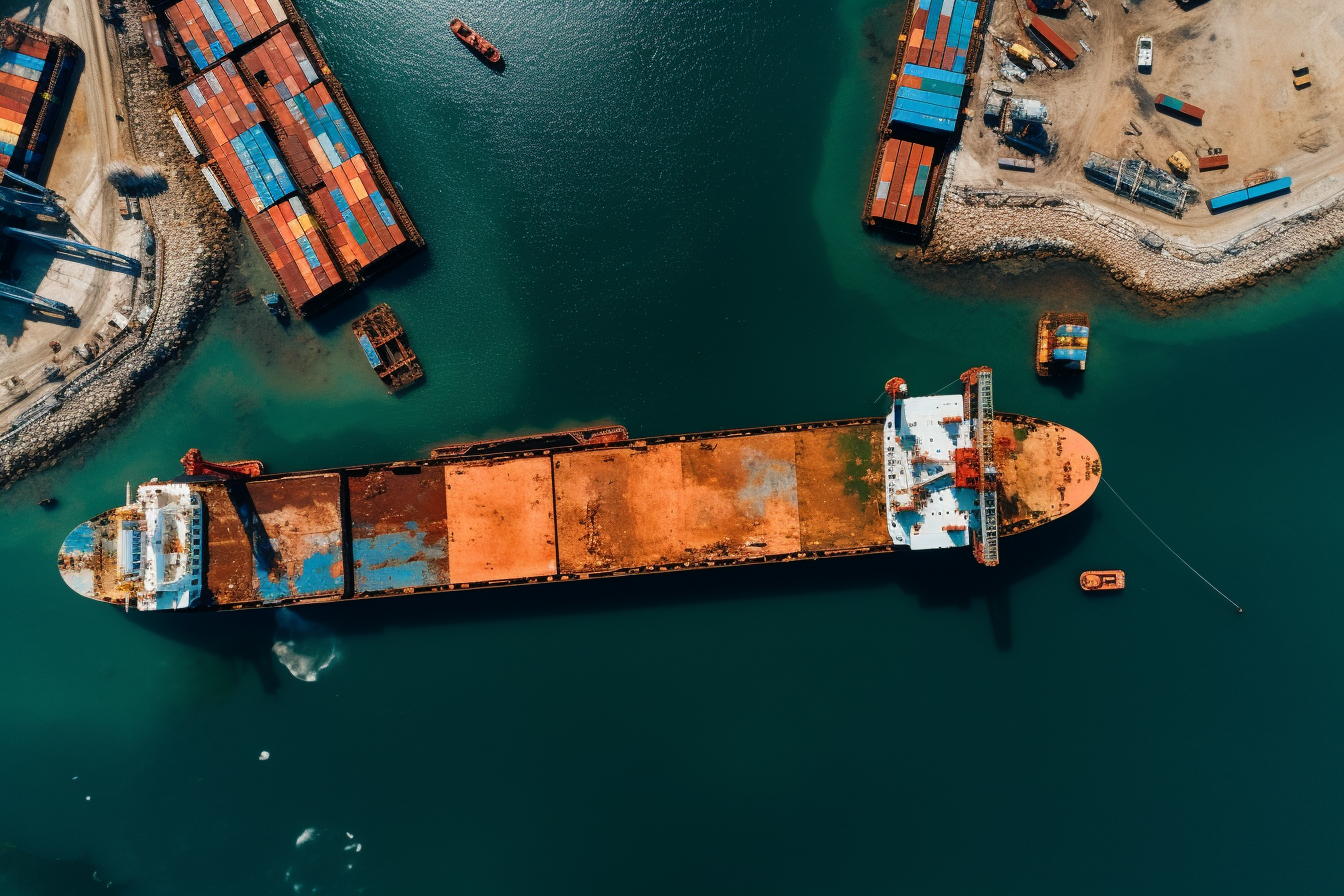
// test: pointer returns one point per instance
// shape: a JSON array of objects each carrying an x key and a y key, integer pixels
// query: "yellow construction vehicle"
[{"x": 1179, "y": 163}]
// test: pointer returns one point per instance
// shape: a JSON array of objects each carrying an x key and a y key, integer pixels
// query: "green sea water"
[{"x": 651, "y": 217}]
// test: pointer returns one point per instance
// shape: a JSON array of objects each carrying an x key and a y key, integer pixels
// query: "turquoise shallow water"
[{"x": 655, "y": 223}]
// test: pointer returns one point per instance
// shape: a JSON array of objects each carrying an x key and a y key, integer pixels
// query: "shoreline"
[
  {"x": 985, "y": 224},
  {"x": 187, "y": 270}
]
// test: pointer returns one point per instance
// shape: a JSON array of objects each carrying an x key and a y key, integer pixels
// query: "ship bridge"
[{"x": 940, "y": 477}]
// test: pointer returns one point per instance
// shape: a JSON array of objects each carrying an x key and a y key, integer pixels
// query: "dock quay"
[
  {"x": 938, "y": 51},
  {"x": 279, "y": 144},
  {"x": 939, "y": 471}
]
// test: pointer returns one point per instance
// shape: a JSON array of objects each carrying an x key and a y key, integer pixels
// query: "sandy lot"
[
  {"x": 1234, "y": 58},
  {"x": 92, "y": 136}
]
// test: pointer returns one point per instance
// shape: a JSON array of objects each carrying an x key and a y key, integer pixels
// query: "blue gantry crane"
[{"x": 34, "y": 301}]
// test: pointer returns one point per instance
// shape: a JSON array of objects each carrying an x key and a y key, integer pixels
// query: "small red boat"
[
  {"x": 1102, "y": 580},
  {"x": 478, "y": 45}
]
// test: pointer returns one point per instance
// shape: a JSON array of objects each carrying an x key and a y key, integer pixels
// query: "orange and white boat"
[
  {"x": 1103, "y": 580},
  {"x": 488, "y": 52}
]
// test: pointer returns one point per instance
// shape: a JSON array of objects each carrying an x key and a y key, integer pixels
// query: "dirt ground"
[
  {"x": 92, "y": 136},
  {"x": 1234, "y": 58}
]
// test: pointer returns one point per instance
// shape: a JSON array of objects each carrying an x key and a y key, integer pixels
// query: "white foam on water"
[
  {"x": 304, "y": 648},
  {"x": 265, "y": 754},
  {"x": 307, "y": 835}
]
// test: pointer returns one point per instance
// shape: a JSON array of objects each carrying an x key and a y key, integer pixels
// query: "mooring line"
[{"x": 1170, "y": 548}]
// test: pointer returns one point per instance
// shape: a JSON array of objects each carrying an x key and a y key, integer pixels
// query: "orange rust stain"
[
  {"x": 841, "y": 495},
  {"x": 501, "y": 522},
  {"x": 1048, "y": 471},
  {"x": 676, "y": 503}
]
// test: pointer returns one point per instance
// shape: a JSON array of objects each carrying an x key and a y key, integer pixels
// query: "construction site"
[{"x": 1159, "y": 138}]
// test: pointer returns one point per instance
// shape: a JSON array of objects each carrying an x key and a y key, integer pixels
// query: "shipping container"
[
  {"x": 941, "y": 32},
  {"x": 1228, "y": 201},
  {"x": 1017, "y": 164},
  {"x": 25, "y": 62},
  {"x": 227, "y": 118},
  {"x": 1053, "y": 40},
  {"x": 217, "y": 189},
  {"x": 1275, "y": 187},
  {"x": 928, "y": 98},
  {"x": 211, "y": 29},
  {"x": 154, "y": 40},
  {"x": 1173, "y": 106},
  {"x": 289, "y": 239},
  {"x": 1212, "y": 163},
  {"x": 358, "y": 222}
]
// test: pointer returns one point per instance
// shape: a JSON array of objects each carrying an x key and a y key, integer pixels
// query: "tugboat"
[
  {"x": 276, "y": 306},
  {"x": 1103, "y": 580},
  {"x": 487, "y": 51}
]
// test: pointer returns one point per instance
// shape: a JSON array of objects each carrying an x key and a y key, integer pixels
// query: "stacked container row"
[
  {"x": 211, "y": 29},
  {"x": 227, "y": 118},
  {"x": 940, "y": 33},
  {"x": 288, "y": 237},
  {"x": 1256, "y": 193},
  {"x": 928, "y": 98},
  {"x": 21, "y": 68},
  {"x": 358, "y": 222},
  {"x": 283, "y": 70},
  {"x": 902, "y": 181}
]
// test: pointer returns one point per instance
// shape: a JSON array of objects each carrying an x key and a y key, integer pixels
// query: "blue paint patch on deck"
[{"x": 398, "y": 560}]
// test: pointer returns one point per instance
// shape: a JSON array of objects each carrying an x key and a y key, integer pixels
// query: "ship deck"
[{"x": 636, "y": 506}]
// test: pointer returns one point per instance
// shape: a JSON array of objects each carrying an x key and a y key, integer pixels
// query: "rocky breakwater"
[
  {"x": 181, "y": 277},
  {"x": 981, "y": 224}
]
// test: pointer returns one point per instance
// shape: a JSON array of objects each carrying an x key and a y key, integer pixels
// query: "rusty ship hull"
[{"x": 549, "y": 514}]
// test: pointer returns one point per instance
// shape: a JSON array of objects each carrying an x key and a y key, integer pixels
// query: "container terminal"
[
  {"x": 1167, "y": 124},
  {"x": 281, "y": 145},
  {"x": 937, "y": 51},
  {"x": 940, "y": 471}
]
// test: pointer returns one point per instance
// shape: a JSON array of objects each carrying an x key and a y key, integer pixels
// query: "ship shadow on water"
[{"x": 936, "y": 580}]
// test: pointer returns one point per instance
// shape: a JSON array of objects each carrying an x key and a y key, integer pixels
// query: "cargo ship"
[
  {"x": 484, "y": 50},
  {"x": 937, "y": 52},
  {"x": 281, "y": 147},
  {"x": 939, "y": 471}
]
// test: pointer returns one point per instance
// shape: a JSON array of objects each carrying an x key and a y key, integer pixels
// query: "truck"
[{"x": 1145, "y": 54}]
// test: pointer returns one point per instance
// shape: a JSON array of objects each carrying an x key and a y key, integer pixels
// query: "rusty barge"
[{"x": 936, "y": 472}]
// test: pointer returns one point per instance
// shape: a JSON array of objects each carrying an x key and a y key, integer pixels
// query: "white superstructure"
[
  {"x": 937, "y": 452},
  {"x": 159, "y": 546}
]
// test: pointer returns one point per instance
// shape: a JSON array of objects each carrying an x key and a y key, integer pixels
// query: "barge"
[
  {"x": 1061, "y": 342},
  {"x": 384, "y": 343},
  {"x": 942, "y": 471},
  {"x": 937, "y": 52},
  {"x": 284, "y": 147},
  {"x": 35, "y": 72}
]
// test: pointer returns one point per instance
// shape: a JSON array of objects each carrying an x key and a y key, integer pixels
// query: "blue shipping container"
[
  {"x": 1069, "y": 354},
  {"x": 1270, "y": 188}
]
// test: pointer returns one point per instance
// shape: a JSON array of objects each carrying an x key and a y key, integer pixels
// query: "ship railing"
[{"x": 989, "y": 496}]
